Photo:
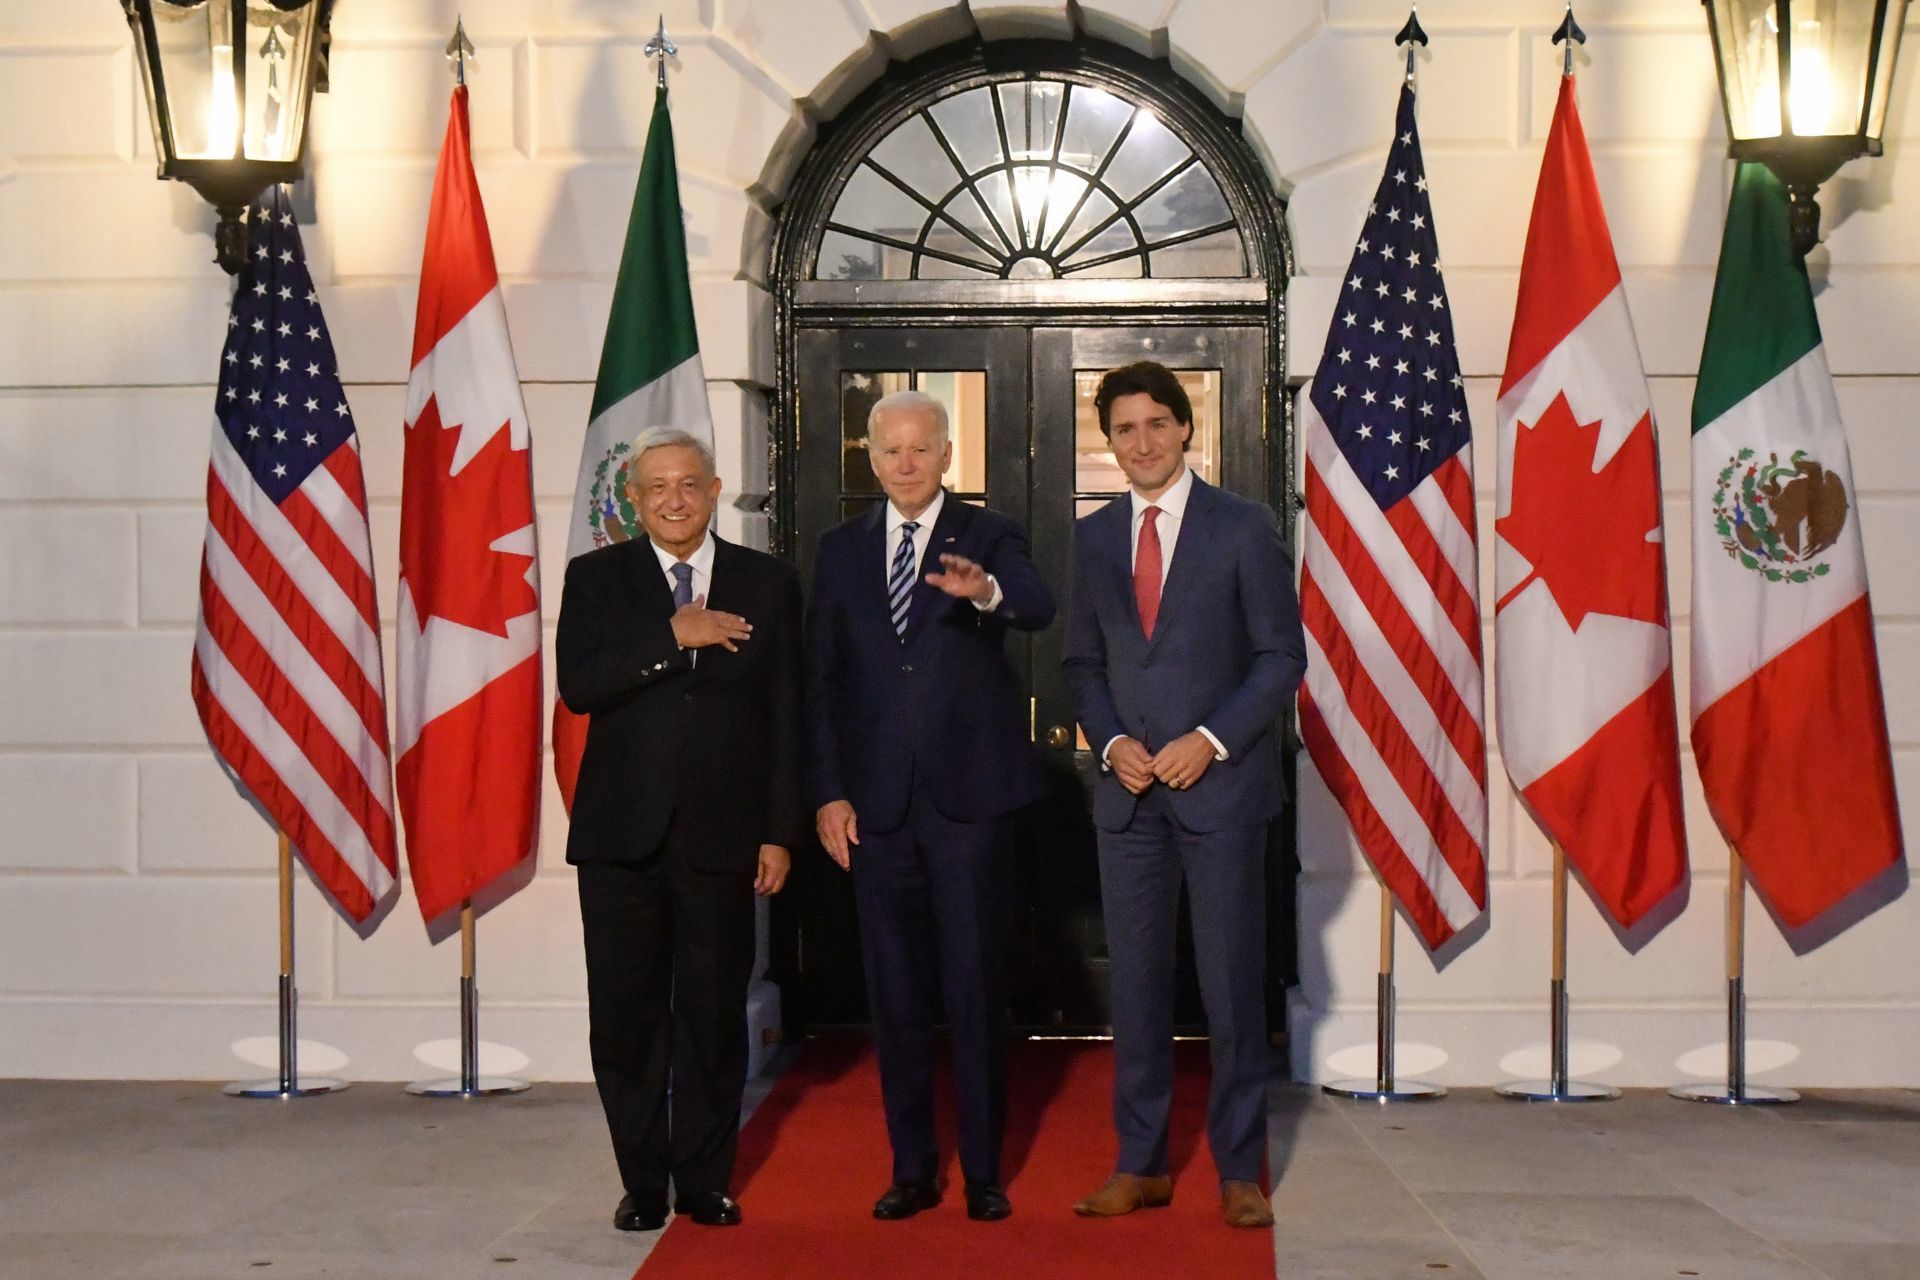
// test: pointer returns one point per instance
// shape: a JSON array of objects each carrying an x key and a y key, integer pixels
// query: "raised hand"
[
  {"x": 962, "y": 579},
  {"x": 695, "y": 627}
]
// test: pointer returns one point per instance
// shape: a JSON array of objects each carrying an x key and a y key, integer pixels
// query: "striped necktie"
[{"x": 900, "y": 580}]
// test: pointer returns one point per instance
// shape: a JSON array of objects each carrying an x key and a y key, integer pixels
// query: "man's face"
[
  {"x": 1148, "y": 442},
  {"x": 909, "y": 457},
  {"x": 675, "y": 495}
]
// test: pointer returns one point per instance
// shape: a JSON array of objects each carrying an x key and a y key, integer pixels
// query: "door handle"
[{"x": 1058, "y": 737}]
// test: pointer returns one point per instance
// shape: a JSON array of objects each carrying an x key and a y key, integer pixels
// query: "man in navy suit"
[
  {"x": 1183, "y": 649},
  {"x": 919, "y": 758}
]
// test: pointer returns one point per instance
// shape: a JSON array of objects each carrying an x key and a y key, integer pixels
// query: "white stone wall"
[{"x": 136, "y": 891}]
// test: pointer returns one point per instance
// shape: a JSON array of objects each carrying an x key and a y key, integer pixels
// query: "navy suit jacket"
[
  {"x": 1227, "y": 652},
  {"x": 944, "y": 700}
]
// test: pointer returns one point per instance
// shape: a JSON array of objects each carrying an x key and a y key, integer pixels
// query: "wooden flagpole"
[
  {"x": 1558, "y": 1087},
  {"x": 289, "y": 1083},
  {"x": 1736, "y": 1092},
  {"x": 469, "y": 1083},
  {"x": 1383, "y": 1087}
]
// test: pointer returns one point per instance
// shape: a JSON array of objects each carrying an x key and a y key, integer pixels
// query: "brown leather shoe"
[
  {"x": 1123, "y": 1193},
  {"x": 1242, "y": 1205}
]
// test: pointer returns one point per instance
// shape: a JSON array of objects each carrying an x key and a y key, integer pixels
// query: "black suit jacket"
[
  {"x": 942, "y": 701},
  {"x": 718, "y": 740}
]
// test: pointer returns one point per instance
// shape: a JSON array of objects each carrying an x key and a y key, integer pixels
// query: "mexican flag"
[
  {"x": 650, "y": 376},
  {"x": 1788, "y": 725}
]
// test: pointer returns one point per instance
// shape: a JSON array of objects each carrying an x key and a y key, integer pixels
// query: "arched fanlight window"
[{"x": 1030, "y": 179}]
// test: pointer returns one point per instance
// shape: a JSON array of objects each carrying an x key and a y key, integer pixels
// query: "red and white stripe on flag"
[
  {"x": 286, "y": 661},
  {"x": 1583, "y": 658},
  {"x": 1391, "y": 711},
  {"x": 468, "y": 695}
]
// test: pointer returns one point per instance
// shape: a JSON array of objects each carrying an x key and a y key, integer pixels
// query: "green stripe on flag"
[
  {"x": 1762, "y": 319},
  {"x": 650, "y": 329}
]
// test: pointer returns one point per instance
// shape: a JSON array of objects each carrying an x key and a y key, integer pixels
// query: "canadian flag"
[
  {"x": 1583, "y": 656},
  {"x": 468, "y": 691}
]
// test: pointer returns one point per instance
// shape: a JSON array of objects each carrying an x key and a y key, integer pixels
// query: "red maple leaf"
[
  {"x": 448, "y": 522},
  {"x": 1585, "y": 532}
]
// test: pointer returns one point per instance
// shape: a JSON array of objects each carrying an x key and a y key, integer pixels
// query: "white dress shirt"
[
  {"x": 1173, "y": 512},
  {"x": 702, "y": 562},
  {"x": 921, "y": 537}
]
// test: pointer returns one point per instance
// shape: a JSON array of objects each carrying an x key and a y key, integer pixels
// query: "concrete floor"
[{"x": 175, "y": 1182}]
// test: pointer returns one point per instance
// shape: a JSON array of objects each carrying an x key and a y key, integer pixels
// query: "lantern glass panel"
[
  {"x": 196, "y": 64},
  {"x": 279, "y": 64},
  {"x": 1892, "y": 19},
  {"x": 1831, "y": 44}
]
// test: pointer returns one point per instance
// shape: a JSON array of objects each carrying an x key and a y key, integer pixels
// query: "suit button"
[
  {"x": 907, "y": 667},
  {"x": 687, "y": 697}
]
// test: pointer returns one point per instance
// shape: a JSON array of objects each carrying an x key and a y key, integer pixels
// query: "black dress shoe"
[
  {"x": 986, "y": 1202},
  {"x": 904, "y": 1199},
  {"x": 646, "y": 1212},
  {"x": 710, "y": 1209}
]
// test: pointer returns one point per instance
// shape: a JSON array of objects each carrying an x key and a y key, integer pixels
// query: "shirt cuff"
[
  {"x": 1219, "y": 751},
  {"x": 993, "y": 601},
  {"x": 1109, "y": 747}
]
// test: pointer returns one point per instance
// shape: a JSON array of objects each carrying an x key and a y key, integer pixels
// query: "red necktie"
[{"x": 1146, "y": 571}]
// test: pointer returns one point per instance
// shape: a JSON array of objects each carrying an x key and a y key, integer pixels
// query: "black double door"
[{"x": 1026, "y": 443}]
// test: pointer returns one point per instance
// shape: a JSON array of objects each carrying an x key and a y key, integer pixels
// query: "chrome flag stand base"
[
  {"x": 469, "y": 1083},
  {"x": 1736, "y": 1092},
  {"x": 290, "y": 1084},
  {"x": 1383, "y": 1088},
  {"x": 1557, "y": 1088}
]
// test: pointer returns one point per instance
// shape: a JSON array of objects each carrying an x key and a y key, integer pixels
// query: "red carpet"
[{"x": 814, "y": 1157}]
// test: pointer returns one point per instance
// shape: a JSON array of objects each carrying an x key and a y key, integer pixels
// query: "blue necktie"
[
  {"x": 682, "y": 585},
  {"x": 900, "y": 580}
]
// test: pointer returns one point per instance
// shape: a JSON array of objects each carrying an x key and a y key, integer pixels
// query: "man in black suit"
[
  {"x": 919, "y": 757},
  {"x": 685, "y": 652}
]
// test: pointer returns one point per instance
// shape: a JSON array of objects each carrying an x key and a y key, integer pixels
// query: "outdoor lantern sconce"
[
  {"x": 228, "y": 85},
  {"x": 1805, "y": 84}
]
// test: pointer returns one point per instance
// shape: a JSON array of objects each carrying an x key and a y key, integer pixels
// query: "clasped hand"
[
  {"x": 695, "y": 626},
  {"x": 1179, "y": 764}
]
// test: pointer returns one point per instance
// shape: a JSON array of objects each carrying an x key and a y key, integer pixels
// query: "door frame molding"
[{"x": 1217, "y": 141}]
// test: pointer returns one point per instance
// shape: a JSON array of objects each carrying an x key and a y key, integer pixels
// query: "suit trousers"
[
  {"x": 932, "y": 902},
  {"x": 670, "y": 951},
  {"x": 1225, "y": 871}
]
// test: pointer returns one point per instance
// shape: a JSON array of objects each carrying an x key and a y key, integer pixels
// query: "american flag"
[
  {"x": 1391, "y": 711},
  {"x": 286, "y": 664}
]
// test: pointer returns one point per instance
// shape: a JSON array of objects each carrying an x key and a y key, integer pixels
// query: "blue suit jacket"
[
  {"x": 1227, "y": 652},
  {"x": 942, "y": 701}
]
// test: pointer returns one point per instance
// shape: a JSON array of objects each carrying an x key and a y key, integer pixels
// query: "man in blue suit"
[
  {"x": 1183, "y": 649},
  {"x": 919, "y": 758}
]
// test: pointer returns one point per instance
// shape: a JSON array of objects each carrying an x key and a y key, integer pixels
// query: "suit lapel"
[
  {"x": 1118, "y": 535},
  {"x": 1196, "y": 531},
  {"x": 941, "y": 540},
  {"x": 873, "y": 560}
]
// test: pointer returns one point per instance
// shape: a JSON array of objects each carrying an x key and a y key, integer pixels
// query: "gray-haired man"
[
  {"x": 917, "y": 759},
  {"x": 685, "y": 651}
]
